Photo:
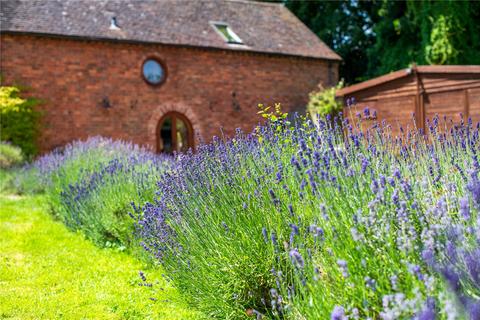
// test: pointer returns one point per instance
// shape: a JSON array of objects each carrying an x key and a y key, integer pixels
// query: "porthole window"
[{"x": 153, "y": 72}]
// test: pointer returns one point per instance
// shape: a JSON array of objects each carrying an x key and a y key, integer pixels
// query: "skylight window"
[
  {"x": 114, "y": 24},
  {"x": 227, "y": 33}
]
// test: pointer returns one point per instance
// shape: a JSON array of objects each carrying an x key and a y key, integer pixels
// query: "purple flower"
[
  {"x": 395, "y": 198},
  {"x": 297, "y": 258},
  {"x": 225, "y": 226},
  {"x": 338, "y": 313},
  {"x": 391, "y": 181},
  {"x": 472, "y": 261},
  {"x": 383, "y": 181},
  {"x": 343, "y": 268},
  {"x": 258, "y": 314},
  {"x": 473, "y": 309},
  {"x": 428, "y": 312},
  {"x": 370, "y": 283},
  {"x": 273, "y": 293},
  {"x": 294, "y": 228},
  {"x": 397, "y": 174},
  {"x": 474, "y": 187},
  {"x": 295, "y": 163},
  {"x": 265, "y": 235},
  {"x": 276, "y": 201},
  {"x": 290, "y": 209},
  {"x": 374, "y": 186},
  {"x": 452, "y": 278},
  {"x": 273, "y": 237},
  {"x": 366, "y": 112},
  {"x": 365, "y": 164},
  {"x": 279, "y": 176},
  {"x": 350, "y": 102},
  {"x": 428, "y": 256},
  {"x": 394, "y": 282},
  {"x": 416, "y": 270}
]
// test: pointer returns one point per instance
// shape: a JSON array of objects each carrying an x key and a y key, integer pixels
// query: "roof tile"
[{"x": 263, "y": 27}]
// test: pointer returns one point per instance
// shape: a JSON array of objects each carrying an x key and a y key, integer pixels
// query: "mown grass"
[{"x": 48, "y": 272}]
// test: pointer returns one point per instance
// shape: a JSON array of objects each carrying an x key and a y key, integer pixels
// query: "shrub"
[
  {"x": 307, "y": 224},
  {"x": 10, "y": 158},
  {"x": 6, "y": 181},
  {"x": 27, "y": 180},
  {"x": 323, "y": 102},
  {"x": 91, "y": 184},
  {"x": 9, "y": 155},
  {"x": 19, "y": 120}
]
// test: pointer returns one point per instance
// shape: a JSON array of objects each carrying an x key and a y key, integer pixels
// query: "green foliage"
[
  {"x": 19, "y": 120},
  {"x": 48, "y": 272},
  {"x": 273, "y": 116},
  {"x": 324, "y": 102},
  {"x": 91, "y": 185},
  {"x": 6, "y": 180},
  {"x": 26, "y": 181},
  {"x": 9, "y": 155},
  {"x": 10, "y": 158},
  {"x": 441, "y": 50},
  {"x": 345, "y": 26},
  {"x": 425, "y": 32},
  {"x": 292, "y": 212},
  {"x": 377, "y": 37},
  {"x": 103, "y": 214}
]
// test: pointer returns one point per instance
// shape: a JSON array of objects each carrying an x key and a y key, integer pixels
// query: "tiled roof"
[{"x": 263, "y": 27}]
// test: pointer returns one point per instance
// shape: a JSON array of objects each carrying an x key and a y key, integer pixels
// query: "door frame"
[{"x": 175, "y": 115}]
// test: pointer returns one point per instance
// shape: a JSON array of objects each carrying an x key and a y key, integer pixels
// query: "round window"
[{"x": 153, "y": 72}]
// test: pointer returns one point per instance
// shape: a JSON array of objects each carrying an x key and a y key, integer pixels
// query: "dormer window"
[
  {"x": 114, "y": 24},
  {"x": 226, "y": 33}
]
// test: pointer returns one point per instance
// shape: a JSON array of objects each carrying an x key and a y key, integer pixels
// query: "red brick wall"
[{"x": 73, "y": 76}]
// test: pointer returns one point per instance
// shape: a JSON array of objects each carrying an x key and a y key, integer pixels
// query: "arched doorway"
[{"x": 174, "y": 133}]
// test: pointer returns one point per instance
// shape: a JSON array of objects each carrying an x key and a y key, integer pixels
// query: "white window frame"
[{"x": 233, "y": 35}]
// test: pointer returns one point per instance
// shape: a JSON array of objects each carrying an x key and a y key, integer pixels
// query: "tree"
[
  {"x": 345, "y": 26},
  {"x": 377, "y": 37},
  {"x": 425, "y": 32}
]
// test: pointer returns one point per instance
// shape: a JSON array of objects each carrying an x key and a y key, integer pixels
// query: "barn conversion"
[
  {"x": 416, "y": 94},
  {"x": 158, "y": 73}
]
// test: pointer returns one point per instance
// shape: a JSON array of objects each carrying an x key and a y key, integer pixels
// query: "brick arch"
[{"x": 158, "y": 114}]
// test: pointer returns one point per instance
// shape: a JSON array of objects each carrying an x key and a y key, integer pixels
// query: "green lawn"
[{"x": 48, "y": 272}]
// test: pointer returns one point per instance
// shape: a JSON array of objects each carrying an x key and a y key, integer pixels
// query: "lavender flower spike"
[{"x": 338, "y": 313}]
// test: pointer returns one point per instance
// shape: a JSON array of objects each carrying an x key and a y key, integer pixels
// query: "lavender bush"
[
  {"x": 91, "y": 185},
  {"x": 304, "y": 221}
]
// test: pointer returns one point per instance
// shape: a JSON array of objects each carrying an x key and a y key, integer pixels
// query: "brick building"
[{"x": 158, "y": 73}]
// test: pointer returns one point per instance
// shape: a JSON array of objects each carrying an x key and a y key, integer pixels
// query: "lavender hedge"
[
  {"x": 91, "y": 185},
  {"x": 305, "y": 221}
]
